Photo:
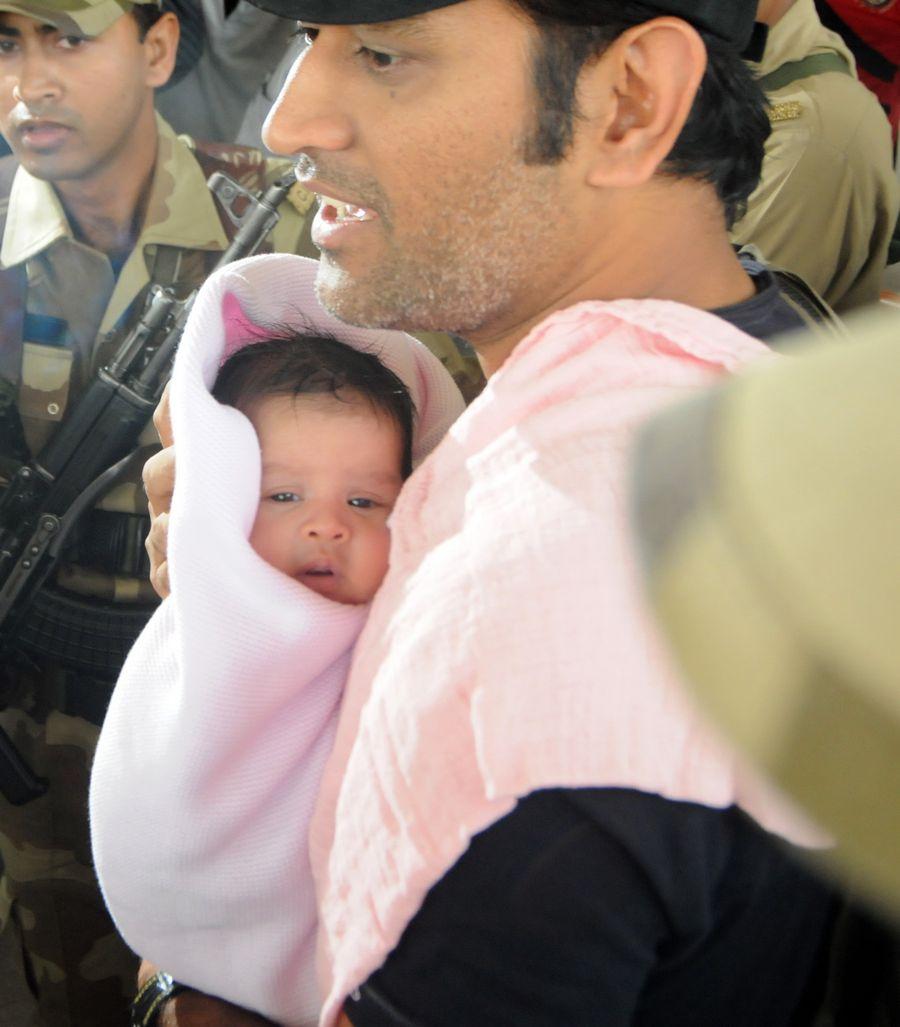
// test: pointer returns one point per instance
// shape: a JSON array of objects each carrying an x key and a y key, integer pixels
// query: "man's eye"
[
  {"x": 307, "y": 34},
  {"x": 284, "y": 497},
  {"x": 7, "y": 46},
  {"x": 377, "y": 60},
  {"x": 361, "y": 503},
  {"x": 71, "y": 42}
]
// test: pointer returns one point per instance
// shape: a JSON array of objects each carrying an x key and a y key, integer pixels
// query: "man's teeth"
[{"x": 347, "y": 211}]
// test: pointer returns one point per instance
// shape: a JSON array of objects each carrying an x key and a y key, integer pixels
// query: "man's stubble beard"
[{"x": 456, "y": 271}]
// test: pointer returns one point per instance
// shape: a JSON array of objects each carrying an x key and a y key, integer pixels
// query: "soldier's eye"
[{"x": 72, "y": 42}]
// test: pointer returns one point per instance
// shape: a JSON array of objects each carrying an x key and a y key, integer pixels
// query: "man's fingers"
[
  {"x": 162, "y": 422},
  {"x": 145, "y": 971},
  {"x": 159, "y": 480},
  {"x": 157, "y": 549},
  {"x": 159, "y": 483}
]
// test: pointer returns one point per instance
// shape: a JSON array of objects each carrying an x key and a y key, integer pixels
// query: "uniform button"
[{"x": 53, "y": 409}]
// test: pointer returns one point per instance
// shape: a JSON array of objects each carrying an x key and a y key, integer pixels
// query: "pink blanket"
[
  {"x": 508, "y": 649},
  {"x": 210, "y": 757}
]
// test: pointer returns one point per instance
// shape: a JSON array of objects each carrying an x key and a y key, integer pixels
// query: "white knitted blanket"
[{"x": 201, "y": 851}]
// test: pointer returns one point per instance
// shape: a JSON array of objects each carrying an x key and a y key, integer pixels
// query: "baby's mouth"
[{"x": 318, "y": 569}]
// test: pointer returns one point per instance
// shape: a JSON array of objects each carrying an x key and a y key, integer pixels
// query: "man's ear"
[
  {"x": 160, "y": 48},
  {"x": 637, "y": 98}
]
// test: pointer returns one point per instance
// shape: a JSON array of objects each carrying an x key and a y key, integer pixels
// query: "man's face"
[
  {"x": 68, "y": 104},
  {"x": 413, "y": 133},
  {"x": 331, "y": 473}
]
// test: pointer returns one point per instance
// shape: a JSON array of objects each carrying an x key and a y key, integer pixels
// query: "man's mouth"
[
  {"x": 42, "y": 134},
  {"x": 338, "y": 212},
  {"x": 338, "y": 221}
]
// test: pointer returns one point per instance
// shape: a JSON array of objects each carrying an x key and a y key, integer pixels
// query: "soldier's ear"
[
  {"x": 160, "y": 48},
  {"x": 637, "y": 98}
]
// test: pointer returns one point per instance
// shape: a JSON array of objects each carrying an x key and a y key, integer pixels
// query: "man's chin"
[
  {"x": 47, "y": 168},
  {"x": 378, "y": 300},
  {"x": 347, "y": 297}
]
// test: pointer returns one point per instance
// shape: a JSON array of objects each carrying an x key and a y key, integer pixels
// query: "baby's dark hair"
[{"x": 298, "y": 364}]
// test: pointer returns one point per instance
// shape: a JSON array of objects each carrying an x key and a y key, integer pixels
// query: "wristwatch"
[{"x": 149, "y": 1000}]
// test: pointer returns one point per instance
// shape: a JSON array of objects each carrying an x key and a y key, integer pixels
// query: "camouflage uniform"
[{"x": 79, "y": 970}]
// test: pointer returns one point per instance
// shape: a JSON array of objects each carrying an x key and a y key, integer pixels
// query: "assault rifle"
[{"x": 46, "y": 497}]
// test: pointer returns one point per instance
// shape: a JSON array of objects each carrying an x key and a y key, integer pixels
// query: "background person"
[
  {"x": 826, "y": 205},
  {"x": 100, "y": 200},
  {"x": 505, "y": 690},
  {"x": 871, "y": 28},
  {"x": 242, "y": 46}
]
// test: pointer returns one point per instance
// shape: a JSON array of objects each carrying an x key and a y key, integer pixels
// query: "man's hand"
[
  {"x": 194, "y": 1009},
  {"x": 159, "y": 483}
]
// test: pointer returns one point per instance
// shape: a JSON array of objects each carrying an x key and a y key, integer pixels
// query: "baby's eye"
[
  {"x": 361, "y": 503},
  {"x": 284, "y": 497}
]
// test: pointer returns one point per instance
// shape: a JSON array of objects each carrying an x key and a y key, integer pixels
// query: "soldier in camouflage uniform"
[{"x": 99, "y": 200}]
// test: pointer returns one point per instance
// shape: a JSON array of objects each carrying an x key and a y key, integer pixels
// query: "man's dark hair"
[
  {"x": 146, "y": 16},
  {"x": 294, "y": 364},
  {"x": 723, "y": 139}
]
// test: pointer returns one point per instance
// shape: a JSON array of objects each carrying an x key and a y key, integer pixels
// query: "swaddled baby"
[{"x": 291, "y": 454}]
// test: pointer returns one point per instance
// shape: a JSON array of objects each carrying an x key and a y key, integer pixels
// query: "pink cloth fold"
[
  {"x": 508, "y": 649},
  {"x": 210, "y": 756}
]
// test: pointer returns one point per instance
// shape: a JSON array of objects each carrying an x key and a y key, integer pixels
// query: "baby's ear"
[{"x": 240, "y": 331}]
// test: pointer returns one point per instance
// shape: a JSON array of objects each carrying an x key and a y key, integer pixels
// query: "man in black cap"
[{"x": 482, "y": 166}]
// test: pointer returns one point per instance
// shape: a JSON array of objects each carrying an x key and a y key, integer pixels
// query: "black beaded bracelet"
[{"x": 149, "y": 1000}]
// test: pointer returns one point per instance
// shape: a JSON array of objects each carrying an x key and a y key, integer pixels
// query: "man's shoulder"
[{"x": 832, "y": 107}]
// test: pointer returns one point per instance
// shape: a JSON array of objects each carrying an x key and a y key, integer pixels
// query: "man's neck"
[
  {"x": 664, "y": 250},
  {"x": 107, "y": 208}
]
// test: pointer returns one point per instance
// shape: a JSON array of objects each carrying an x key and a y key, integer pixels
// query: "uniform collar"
[
  {"x": 797, "y": 35},
  {"x": 35, "y": 218},
  {"x": 181, "y": 210}
]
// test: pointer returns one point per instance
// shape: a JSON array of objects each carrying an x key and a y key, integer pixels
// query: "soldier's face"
[
  {"x": 413, "y": 133},
  {"x": 68, "y": 104}
]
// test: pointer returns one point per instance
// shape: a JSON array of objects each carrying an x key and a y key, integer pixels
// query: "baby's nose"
[{"x": 325, "y": 525}]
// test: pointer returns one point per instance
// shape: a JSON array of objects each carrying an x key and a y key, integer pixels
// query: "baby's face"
[{"x": 331, "y": 472}]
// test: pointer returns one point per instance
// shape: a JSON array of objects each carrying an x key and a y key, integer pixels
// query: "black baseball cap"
[{"x": 729, "y": 20}]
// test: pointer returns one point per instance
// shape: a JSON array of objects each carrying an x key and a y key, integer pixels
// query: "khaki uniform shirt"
[
  {"x": 77, "y": 308},
  {"x": 827, "y": 203}
]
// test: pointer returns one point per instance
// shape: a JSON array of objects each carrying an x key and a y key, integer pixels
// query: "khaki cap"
[
  {"x": 81, "y": 17},
  {"x": 769, "y": 512}
]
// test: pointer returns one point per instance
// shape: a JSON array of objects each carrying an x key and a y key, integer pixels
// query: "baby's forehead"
[
  {"x": 355, "y": 433},
  {"x": 343, "y": 405}
]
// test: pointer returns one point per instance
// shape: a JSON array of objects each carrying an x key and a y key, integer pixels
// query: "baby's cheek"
[{"x": 265, "y": 539}]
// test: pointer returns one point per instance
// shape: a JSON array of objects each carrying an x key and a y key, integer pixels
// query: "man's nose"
[
  {"x": 36, "y": 84},
  {"x": 307, "y": 114}
]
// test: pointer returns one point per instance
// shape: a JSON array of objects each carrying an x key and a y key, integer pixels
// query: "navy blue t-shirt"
[{"x": 604, "y": 908}]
